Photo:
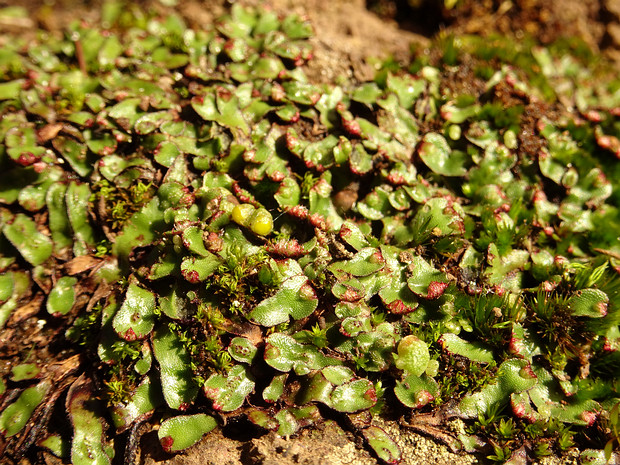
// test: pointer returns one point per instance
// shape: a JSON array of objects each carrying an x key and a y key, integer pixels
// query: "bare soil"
[{"x": 347, "y": 33}]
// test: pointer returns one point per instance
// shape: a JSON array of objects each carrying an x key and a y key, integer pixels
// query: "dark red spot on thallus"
[
  {"x": 27, "y": 159},
  {"x": 424, "y": 398},
  {"x": 285, "y": 248},
  {"x": 224, "y": 94},
  {"x": 191, "y": 275},
  {"x": 527, "y": 372},
  {"x": 318, "y": 221},
  {"x": 299, "y": 60},
  {"x": 352, "y": 127},
  {"x": 214, "y": 242},
  {"x": 39, "y": 167},
  {"x": 521, "y": 411},
  {"x": 436, "y": 289},
  {"x": 589, "y": 417},
  {"x": 345, "y": 232},
  {"x": 399, "y": 307},
  {"x": 396, "y": 179},
  {"x": 130, "y": 335},
  {"x": 291, "y": 141},
  {"x": 212, "y": 394},
  {"x": 376, "y": 257},
  {"x": 298, "y": 211},
  {"x": 166, "y": 443},
  {"x": 371, "y": 395},
  {"x": 240, "y": 350},
  {"x": 188, "y": 198},
  {"x": 608, "y": 347},
  {"x": 277, "y": 176},
  {"x": 351, "y": 294},
  {"x": 306, "y": 292},
  {"x": 516, "y": 345}
]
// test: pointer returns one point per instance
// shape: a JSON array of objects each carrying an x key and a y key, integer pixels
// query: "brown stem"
[{"x": 79, "y": 52}]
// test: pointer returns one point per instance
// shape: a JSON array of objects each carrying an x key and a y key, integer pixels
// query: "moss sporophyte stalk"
[{"x": 204, "y": 232}]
